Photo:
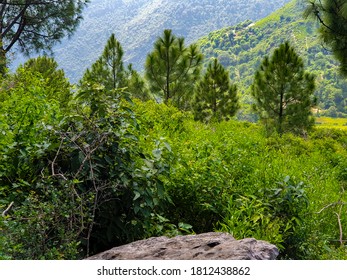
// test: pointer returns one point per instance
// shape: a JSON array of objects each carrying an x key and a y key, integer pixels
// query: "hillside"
[
  {"x": 137, "y": 23},
  {"x": 88, "y": 167},
  {"x": 242, "y": 47}
]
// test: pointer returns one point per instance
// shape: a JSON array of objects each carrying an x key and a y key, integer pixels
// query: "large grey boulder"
[{"x": 206, "y": 246}]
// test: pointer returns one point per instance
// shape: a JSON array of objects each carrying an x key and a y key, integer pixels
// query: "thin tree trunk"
[
  {"x": 3, "y": 62},
  {"x": 280, "y": 119},
  {"x": 167, "y": 77}
]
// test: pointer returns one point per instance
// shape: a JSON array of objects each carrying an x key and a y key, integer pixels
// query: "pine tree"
[
  {"x": 283, "y": 92},
  {"x": 332, "y": 16},
  {"x": 105, "y": 81},
  {"x": 172, "y": 69},
  {"x": 136, "y": 85},
  {"x": 215, "y": 96},
  {"x": 56, "y": 84},
  {"x": 108, "y": 71}
]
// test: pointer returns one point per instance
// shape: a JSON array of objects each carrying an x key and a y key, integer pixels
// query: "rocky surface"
[{"x": 206, "y": 246}]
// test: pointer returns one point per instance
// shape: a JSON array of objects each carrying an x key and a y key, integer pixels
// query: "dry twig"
[{"x": 7, "y": 209}]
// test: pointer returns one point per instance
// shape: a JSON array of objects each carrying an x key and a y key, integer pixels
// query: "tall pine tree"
[
  {"x": 108, "y": 71},
  {"x": 107, "y": 79},
  {"x": 283, "y": 92},
  {"x": 172, "y": 69},
  {"x": 215, "y": 96}
]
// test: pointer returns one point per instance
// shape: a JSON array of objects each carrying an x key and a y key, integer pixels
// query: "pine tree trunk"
[
  {"x": 167, "y": 77},
  {"x": 280, "y": 116},
  {"x": 3, "y": 64}
]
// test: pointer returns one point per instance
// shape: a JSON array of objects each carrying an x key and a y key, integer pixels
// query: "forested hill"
[
  {"x": 137, "y": 23},
  {"x": 242, "y": 47}
]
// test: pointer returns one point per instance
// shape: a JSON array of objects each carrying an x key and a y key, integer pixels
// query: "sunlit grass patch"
[{"x": 327, "y": 122}]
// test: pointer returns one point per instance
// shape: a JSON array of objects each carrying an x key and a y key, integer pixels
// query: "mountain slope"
[
  {"x": 241, "y": 49},
  {"x": 137, "y": 24}
]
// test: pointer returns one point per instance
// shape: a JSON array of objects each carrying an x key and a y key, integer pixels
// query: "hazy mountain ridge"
[{"x": 137, "y": 24}]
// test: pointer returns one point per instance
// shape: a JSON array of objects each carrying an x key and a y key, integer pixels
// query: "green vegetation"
[
  {"x": 215, "y": 97},
  {"x": 241, "y": 49},
  {"x": 326, "y": 122},
  {"x": 283, "y": 92},
  {"x": 87, "y": 167},
  {"x": 77, "y": 178},
  {"x": 88, "y": 180}
]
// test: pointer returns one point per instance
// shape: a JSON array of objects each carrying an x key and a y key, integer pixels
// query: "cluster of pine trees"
[
  {"x": 172, "y": 75},
  {"x": 282, "y": 90}
]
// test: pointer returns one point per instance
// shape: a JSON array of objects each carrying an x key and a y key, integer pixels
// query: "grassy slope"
[{"x": 215, "y": 165}]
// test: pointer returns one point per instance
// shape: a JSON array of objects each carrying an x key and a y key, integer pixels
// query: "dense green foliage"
[
  {"x": 100, "y": 176},
  {"x": 136, "y": 85},
  {"x": 332, "y": 18},
  {"x": 56, "y": 84},
  {"x": 215, "y": 97},
  {"x": 283, "y": 92},
  {"x": 78, "y": 181},
  {"x": 84, "y": 168},
  {"x": 229, "y": 177},
  {"x": 241, "y": 49}
]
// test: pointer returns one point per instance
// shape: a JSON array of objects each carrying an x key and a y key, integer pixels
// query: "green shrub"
[{"x": 275, "y": 215}]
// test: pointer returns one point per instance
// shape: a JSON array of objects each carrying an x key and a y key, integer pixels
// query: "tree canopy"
[
  {"x": 283, "y": 92},
  {"x": 56, "y": 84},
  {"x": 332, "y": 16},
  {"x": 35, "y": 25},
  {"x": 171, "y": 68},
  {"x": 215, "y": 96}
]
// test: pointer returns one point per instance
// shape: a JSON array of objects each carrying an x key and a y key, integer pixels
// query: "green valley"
[
  {"x": 210, "y": 137},
  {"x": 241, "y": 48}
]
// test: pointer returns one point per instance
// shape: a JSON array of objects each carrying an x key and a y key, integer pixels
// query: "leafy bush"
[
  {"x": 226, "y": 176},
  {"x": 275, "y": 215},
  {"x": 108, "y": 171},
  {"x": 80, "y": 183}
]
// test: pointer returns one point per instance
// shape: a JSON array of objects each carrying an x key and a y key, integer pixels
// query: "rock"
[{"x": 206, "y": 246}]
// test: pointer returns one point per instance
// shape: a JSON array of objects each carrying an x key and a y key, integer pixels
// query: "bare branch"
[
  {"x": 7, "y": 209},
  {"x": 340, "y": 225},
  {"x": 14, "y": 21},
  {"x": 55, "y": 158},
  {"x": 331, "y": 205}
]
